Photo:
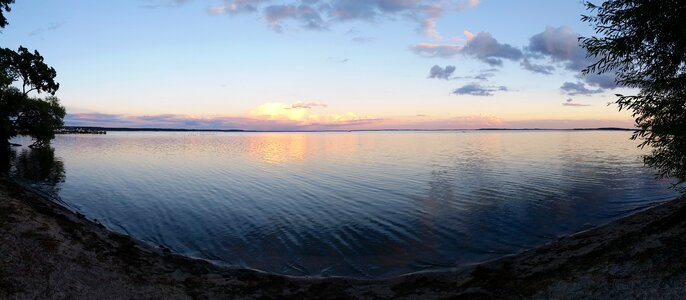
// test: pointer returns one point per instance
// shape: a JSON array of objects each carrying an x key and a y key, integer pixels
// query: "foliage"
[
  {"x": 39, "y": 118},
  {"x": 4, "y": 5},
  {"x": 19, "y": 112},
  {"x": 28, "y": 67},
  {"x": 644, "y": 43}
]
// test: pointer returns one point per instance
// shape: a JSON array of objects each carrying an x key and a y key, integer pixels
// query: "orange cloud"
[
  {"x": 468, "y": 34},
  {"x": 300, "y": 113}
]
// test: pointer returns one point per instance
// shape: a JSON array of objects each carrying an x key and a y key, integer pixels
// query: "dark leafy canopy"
[
  {"x": 20, "y": 113},
  {"x": 644, "y": 43},
  {"x": 28, "y": 67},
  {"x": 4, "y": 6}
]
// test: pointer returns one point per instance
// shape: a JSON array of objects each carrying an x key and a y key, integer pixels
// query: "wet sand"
[{"x": 49, "y": 252}]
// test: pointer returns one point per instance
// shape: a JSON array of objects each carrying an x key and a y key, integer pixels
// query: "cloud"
[
  {"x": 570, "y": 102},
  {"x": 88, "y": 118},
  {"x": 267, "y": 116},
  {"x": 485, "y": 74},
  {"x": 604, "y": 81},
  {"x": 441, "y": 73},
  {"x": 50, "y": 27},
  {"x": 428, "y": 24},
  {"x": 307, "y": 16},
  {"x": 299, "y": 114},
  {"x": 163, "y": 3},
  {"x": 468, "y": 34},
  {"x": 236, "y": 7},
  {"x": 319, "y": 14},
  {"x": 362, "y": 39},
  {"x": 435, "y": 50},
  {"x": 482, "y": 47},
  {"x": 307, "y": 105},
  {"x": 537, "y": 68},
  {"x": 482, "y": 75},
  {"x": 578, "y": 88},
  {"x": 487, "y": 49},
  {"x": 475, "y": 89},
  {"x": 561, "y": 46},
  {"x": 421, "y": 121}
]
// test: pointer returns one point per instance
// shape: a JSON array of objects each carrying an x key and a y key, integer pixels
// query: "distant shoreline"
[{"x": 133, "y": 129}]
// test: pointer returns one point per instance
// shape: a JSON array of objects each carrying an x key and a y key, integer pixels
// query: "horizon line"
[{"x": 162, "y": 129}]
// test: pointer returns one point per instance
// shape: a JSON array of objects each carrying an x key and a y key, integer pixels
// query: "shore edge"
[{"x": 48, "y": 251}]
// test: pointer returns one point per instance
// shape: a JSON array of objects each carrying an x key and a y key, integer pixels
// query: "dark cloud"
[
  {"x": 441, "y": 73},
  {"x": 604, "y": 81},
  {"x": 578, "y": 88},
  {"x": 475, "y": 89},
  {"x": 482, "y": 47},
  {"x": 561, "y": 46},
  {"x": 318, "y": 14},
  {"x": 487, "y": 49}
]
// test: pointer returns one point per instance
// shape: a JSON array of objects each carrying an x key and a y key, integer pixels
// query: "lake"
[{"x": 359, "y": 204}]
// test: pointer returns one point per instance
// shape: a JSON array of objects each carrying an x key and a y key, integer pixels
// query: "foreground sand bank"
[{"x": 48, "y": 252}]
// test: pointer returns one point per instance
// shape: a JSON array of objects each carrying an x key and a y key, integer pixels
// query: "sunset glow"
[{"x": 266, "y": 65}]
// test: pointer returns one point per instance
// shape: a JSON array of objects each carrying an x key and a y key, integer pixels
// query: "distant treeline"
[
  {"x": 90, "y": 129},
  {"x": 74, "y": 129}
]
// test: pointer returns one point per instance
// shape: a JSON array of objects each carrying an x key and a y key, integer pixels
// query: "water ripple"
[{"x": 368, "y": 205}]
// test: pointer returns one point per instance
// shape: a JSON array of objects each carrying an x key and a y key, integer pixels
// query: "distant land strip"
[{"x": 91, "y": 128}]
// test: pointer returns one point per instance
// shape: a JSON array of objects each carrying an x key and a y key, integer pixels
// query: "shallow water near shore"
[{"x": 360, "y": 204}]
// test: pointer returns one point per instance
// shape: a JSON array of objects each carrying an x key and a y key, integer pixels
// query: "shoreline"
[{"x": 48, "y": 251}]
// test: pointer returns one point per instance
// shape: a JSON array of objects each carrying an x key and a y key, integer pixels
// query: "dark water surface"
[{"x": 361, "y": 204}]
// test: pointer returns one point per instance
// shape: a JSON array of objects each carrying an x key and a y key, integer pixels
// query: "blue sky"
[{"x": 318, "y": 64}]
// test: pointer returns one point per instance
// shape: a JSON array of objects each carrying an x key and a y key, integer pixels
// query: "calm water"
[{"x": 369, "y": 204}]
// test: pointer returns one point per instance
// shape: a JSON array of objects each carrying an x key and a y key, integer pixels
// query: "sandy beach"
[{"x": 49, "y": 252}]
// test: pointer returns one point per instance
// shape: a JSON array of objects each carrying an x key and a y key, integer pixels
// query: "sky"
[{"x": 319, "y": 64}]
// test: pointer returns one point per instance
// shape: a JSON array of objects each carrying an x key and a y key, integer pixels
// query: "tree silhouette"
[
  {"x": 19, "y": 112},
  {"x": 4, "y": 6},
  {"x": 644, "y": 43}
]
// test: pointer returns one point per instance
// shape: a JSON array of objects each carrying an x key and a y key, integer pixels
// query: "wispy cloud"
[
  {"x": 307, "y": 105},
  {"x": 475, "y": 89},
  {"x": 436, "y": 50},
  {"x": 578, "y": 88},
  {"x": 163, "y": 3},
  {"x": 50, "y": 27},
  {"x": 570, "y": 102}
]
